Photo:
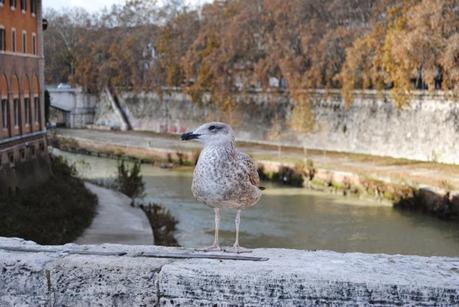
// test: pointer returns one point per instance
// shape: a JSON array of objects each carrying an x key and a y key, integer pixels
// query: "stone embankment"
[
  {"x": 426, "y": 129},
  {"x": 430, "y": 187},
  {"x": 122, "y": 275}
]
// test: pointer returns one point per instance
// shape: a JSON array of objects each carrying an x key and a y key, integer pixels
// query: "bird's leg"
[
  {"x": 217, "y": 226},
  {"x": 237, "y": 221},
  {"x": 215, "y": 246},
  {"x": 236, "y": 247}
]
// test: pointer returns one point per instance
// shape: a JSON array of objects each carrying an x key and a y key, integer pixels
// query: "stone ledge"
[{"x": 290, "y": 277}]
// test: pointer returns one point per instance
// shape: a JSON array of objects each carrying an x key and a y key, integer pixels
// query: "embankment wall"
[{"x": 427, "y": 129}]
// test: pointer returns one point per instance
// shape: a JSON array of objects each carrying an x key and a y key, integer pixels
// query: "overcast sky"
[{"x": 95, "y": 5}]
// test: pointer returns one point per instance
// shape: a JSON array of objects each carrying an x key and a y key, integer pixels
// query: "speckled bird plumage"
[{"x": 223, "y": 177}]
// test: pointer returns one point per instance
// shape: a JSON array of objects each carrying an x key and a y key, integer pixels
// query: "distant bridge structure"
[{"x": 71, "y": 107}]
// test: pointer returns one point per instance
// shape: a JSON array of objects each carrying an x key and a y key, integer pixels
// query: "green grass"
[{"x": 56, "y": 212}]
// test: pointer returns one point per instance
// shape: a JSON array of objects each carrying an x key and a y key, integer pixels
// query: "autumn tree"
[
  {"x": 413, "y": 47},
  {"x": 227, "y": 50},
  {"x": 61, "y": 41}
]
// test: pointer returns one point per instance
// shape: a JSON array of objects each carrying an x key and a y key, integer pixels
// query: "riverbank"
[
  {"x": 54, "y": 212},
  {"x": 125, "y": 275},
  {"x": 431, "y": 187}
]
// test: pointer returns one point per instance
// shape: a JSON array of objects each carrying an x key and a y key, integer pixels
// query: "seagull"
[{"x": 223, "y": 177}]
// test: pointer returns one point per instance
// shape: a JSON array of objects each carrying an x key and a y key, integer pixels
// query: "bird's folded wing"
[{"x": 249, "y": 167}]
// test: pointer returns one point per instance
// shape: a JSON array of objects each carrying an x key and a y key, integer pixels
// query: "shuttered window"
[
  {"x": 4, "y": 106},
  {"x": 13, "y": 40},
  {"x": 2, "y": 40},
  {"x": 33, "y": 7},
  {"x": 28, "y": 110},
  {"x": 36, "y": 107},
  {"x": 24, "y": 42},
  {"x": 16, "y": 112},
  {"x": 34, "y": 44}
]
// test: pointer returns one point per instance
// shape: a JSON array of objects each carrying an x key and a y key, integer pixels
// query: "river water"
[{"x": 290, "y": 217}]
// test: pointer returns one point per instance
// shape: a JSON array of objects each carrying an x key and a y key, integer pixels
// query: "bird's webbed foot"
[
  {"x": 213, "y": 248},
  {"x": 236, "y": 249}
]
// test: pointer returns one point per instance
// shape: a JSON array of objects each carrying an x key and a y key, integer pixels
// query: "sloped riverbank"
[{"x": 428, "y": 187}]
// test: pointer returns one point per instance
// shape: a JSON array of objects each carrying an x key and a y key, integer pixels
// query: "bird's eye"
[{"x": 212, "y": 128}]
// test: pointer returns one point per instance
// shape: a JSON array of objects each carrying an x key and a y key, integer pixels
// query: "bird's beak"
[{"x": 189, "y": 136}]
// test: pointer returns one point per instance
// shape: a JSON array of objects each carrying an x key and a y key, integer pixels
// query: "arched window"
[
  {"x": 24, "y": 42},
  {"x": 16, "y": 104},
  {"x": 36, "y": 101},
  {"x": 3, "y": 86},
  {"x": 13, "y": 40},
  {"x": 34, "y": 43},
  {"x": 33, "y": 7},
  {"x": 4, "y": 107},
  {"x": 2, "y": 38},
  {"x": 27, "y": 105}
]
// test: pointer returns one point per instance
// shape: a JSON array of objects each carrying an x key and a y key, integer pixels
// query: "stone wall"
[
  {"x": 427, "y": 129},
  {"x": 91, "y": 275}
]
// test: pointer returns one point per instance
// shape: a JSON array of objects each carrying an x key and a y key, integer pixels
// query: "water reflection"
[{"x": 292, "y": 218}]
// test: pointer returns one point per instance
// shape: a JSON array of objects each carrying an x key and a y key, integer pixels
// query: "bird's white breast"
[{"x": 219, "y": 180}]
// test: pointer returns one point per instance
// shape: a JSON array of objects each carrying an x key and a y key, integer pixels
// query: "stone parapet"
[{"x": 118, "y": 275}]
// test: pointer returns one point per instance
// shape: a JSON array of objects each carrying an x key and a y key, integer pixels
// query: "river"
[{"x": 290, "y": 217}]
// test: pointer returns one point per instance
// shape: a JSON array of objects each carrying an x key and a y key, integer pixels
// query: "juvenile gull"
[{"x": 223, "y": 177}]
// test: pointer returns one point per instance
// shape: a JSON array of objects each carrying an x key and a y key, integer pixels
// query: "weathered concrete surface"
[
  {"x": 290, "y": 277},
  {"x": 426, "y": 129},
  {"x": 57, "y": 279},
  {"x": 116, "y": 221}
]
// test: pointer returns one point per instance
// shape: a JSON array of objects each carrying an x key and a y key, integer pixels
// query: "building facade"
[{"x": 23, "y": 148}]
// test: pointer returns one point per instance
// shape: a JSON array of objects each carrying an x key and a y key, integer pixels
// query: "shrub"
[
  {"x": 310, "y": 169},
  {"x": 55, "y": 212},
  {"x": 262, "y": 174},
  {"x": 129, "y": 180},
  {"x": 288, "y": 176}
]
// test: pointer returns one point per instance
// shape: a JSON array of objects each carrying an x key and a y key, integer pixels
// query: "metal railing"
[{"x": 21, "y": 137}]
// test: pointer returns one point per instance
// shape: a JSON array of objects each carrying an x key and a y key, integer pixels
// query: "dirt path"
[
  {"x": 415, "y": 173},
  {"x": 116, "y": 221}
]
